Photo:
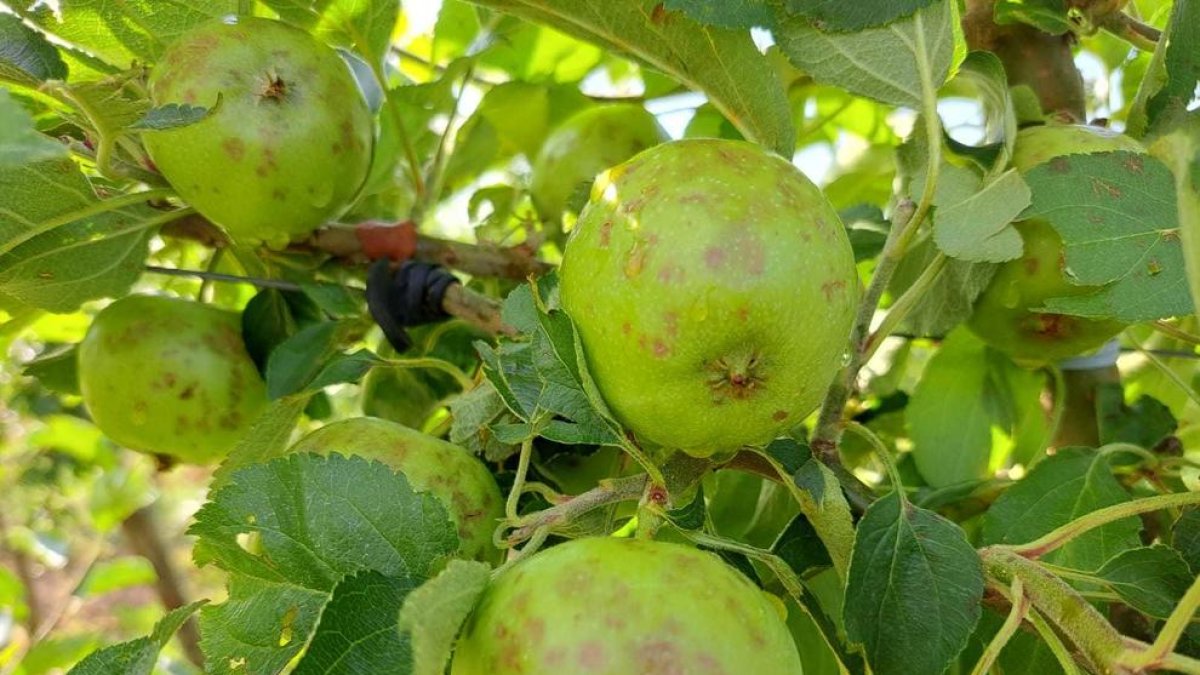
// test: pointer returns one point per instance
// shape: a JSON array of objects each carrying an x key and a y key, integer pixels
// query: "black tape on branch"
[{"x": 410, "y": 296}]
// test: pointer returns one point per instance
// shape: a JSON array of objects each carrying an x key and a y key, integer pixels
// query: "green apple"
[
  {"x": 288, "y": 141},
  {"x": 714, "y": 288},
  {"x": 170, "y": 377},
  {"x": 1006, "y": 315},
  {"x": 451, "y": 474},
  {"x": 608, "y": 606},
  {"x": 586, "y": 144}
]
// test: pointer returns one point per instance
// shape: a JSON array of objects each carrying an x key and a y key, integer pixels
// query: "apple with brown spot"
[
  {"x": 288, "y": 141},
  {"x": 609, "y": 606},
  {"x": 170, "y": 377},
  {"x": 452, "y": 474},
  {"x": 1006, "y": 315},
  {"x": 714, "y": 288}
]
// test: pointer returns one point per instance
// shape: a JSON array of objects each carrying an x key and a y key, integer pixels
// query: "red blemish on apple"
[{"x": 714, "y": 258}]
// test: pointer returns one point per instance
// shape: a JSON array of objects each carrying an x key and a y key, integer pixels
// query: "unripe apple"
[
  {"x": 1005, "y": 315},
  {"x": 608, "y": 606},
  {"x": 714, "y": 288},
  {"x": 586, "y": 144},
  {"x": 451, "y": 474},
  {"x": 287, "y": 143},
  {"x": 170, "y": 377}
]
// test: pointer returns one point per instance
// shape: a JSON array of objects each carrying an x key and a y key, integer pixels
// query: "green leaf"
[
  {"x": 59, "y": 245},
  {"x": 1185, "y": 537},
  {"x": 909, "y": 563},
  {"x": 433, "y": 613},
  {"x": 26, "y": 57},
  {"x": 839, "y": 16},
  {"x": 811, "y": 477},
  {"x": 1115, "y": 212},
  {"x": 950, "y": 300},
  {"x": 474, "y": 413},
  {"x": 116, "y": 574},
  {"x": 979, "y": 228},
  {"x": 140, "y": 656},
  {"x": 173, "y": 116},
  {"x": 266, "y": 439},
  {"x": 345, "y": 369},
  {"x": 530, "y": 52},
  {"x": 289, "y": 531},
  {"x": 359, "y": 631},
  {"x": 567, "y": 387},
  {"x": 334, "y": 299},
  {"x": 57, "y": 371},
  {"x": 1150, "y": 579},
  {"x": 903, "y": 63},
  {"x": 295, "y": 364},
  {"x": 691, "y": 515},
  {"x": 1060, "y": 488},
  {"x": 800, "y": 546},
  {"x": 790, "y": 453},
  {"x": 1181, "y": 62},
  {"x": 20, "y": 143},
  {"x": 267, "y": 322},
  {"x": 949, "y": 419},
  {"x": 1144, "y": 423},
  {"x": 725, "y": 65},
  {"x": 733, "y": 14},
  {"x": 365, "y": 25},
  {"x": 1181, "y": 149},
  {"x": 120, "y": 33},
  {"x": 1048, "y": 16},
  {"x": 260, "y": 627}
]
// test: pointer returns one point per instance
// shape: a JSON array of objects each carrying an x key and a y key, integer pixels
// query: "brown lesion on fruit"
[
  {"x": 736, "y": 376},
  {"x": 235, "y": 148},
  {"x": 714, "y": 258},
  {"x": 1050, "y": 326},
  {"x": 606, "y": 234},
  {"x": 636, "y": 261},
  {"x": 274, "y": 89},
  {"x": 671, "y": 321},
  {"x": 829, "y": 288}
]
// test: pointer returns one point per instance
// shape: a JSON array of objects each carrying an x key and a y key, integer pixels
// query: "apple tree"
[{"x": 563, "y": 336}]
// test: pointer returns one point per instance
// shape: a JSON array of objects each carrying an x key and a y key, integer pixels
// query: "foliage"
[{"x": 940, "y": 488}]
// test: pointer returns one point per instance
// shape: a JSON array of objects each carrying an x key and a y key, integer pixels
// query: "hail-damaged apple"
[
  {"x": 713, "y": 287},
  {"x": 288, "y": 140}
]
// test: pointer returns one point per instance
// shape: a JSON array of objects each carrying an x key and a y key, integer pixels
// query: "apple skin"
[
  {"x": 453, "y": 475},
  {"x": 289, "y": 144},
  {"x": 609, "y": 606},
  {"x": 170, "y": 377},
  {"x": 714, "y": 288},
  {"x": 1005, "y": 315},
  {"x": 586, "y": 144}
]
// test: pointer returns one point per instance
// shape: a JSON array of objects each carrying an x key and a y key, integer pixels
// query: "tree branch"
[
  {"x": 143, "y": 536},
  {"x": 397, "y": 241},
  {"x": 1041, "y": 61}
]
